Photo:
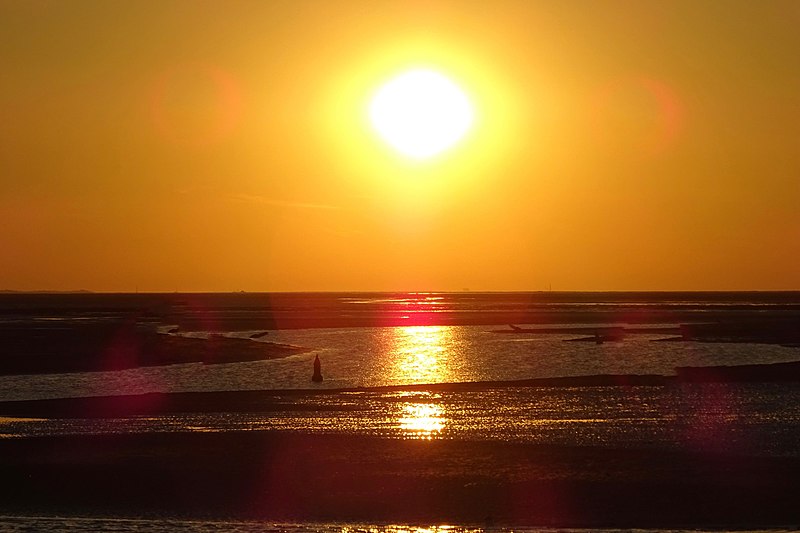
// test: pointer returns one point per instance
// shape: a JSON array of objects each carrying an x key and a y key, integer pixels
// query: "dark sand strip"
[
  {"x": 281, "y": 476},
  {"x": 120, "y": 345}
]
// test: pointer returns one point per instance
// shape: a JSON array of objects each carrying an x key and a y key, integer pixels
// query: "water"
[
  {"x": 751, "y": 419},
  {"x": 379, "y": 340},
  {"x": 371, "y": 357},
  {"x": 367, "y": 357}
]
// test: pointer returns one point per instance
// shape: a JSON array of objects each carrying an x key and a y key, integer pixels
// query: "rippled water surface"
[
  {"x": 369, "y": 357},
  {"x": 761, "y": 419}
]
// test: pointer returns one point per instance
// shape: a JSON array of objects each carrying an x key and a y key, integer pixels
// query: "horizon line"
[{"x": 398, "y": 291}]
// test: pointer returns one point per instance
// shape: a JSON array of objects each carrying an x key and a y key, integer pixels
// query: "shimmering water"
[
  {"x": 755, "y": 419},
  {"x": 369, "y": 357},
  {"x": 421, "y": 345}
]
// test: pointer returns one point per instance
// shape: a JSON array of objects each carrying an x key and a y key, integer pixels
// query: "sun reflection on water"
[
  {"x": 421, "y": 354},
  {"x": 421, "y": 420}
]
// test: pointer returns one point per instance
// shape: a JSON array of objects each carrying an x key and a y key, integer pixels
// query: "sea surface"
[
  {"x": 368, "y": 341},
  {"x": 399, "y": 339},
  {"x": 426, "y": 352}
]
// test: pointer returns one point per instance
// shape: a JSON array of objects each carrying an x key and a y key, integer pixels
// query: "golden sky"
[{"x": 217, "y": 146}]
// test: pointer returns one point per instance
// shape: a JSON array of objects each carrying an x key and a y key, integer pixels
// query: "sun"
[{"x": 421, "y": 113}]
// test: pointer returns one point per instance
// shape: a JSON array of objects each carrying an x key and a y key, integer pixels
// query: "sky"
[{"x": 226, "y": 146}]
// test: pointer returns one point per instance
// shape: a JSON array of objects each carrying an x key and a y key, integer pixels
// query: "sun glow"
[{"x": 421, "y": 113}]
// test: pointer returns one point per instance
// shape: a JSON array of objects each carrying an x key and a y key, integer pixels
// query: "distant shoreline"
[
  {"x": 422, "y": 292},
  {"x": 199, "y": 311}
]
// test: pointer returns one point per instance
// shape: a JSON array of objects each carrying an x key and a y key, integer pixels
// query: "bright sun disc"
[{"x": 421, "y": 113}]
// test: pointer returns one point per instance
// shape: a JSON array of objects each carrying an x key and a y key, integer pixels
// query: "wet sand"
[
  {"x": 283, "y": 476},
  {"x": 293, "y": 476},
  {"x": 154, "y": 404}
]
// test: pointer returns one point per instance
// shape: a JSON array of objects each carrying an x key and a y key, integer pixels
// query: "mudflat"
[
  {"x": 289, "y": 476},
  {"x": 119, "y": 345}
]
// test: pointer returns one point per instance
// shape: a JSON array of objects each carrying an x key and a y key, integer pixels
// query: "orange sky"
[{"x": 216, "y": 146}]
